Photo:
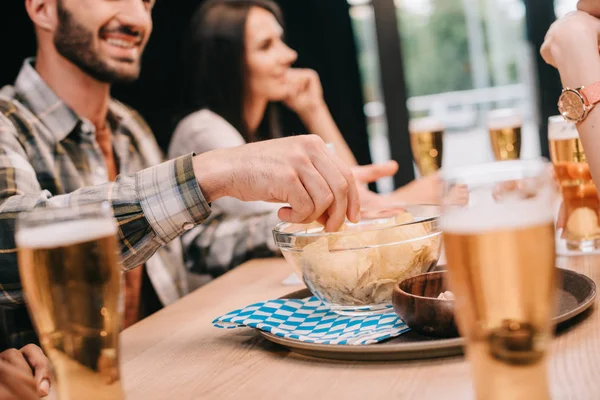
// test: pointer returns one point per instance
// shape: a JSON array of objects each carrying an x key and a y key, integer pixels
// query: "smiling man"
[
  {"x": 64, "y": 141},
  {"x": 112, "y": 51}
]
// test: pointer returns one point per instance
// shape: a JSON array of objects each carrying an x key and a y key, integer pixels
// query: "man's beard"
[{"x": 74, "y": 42}]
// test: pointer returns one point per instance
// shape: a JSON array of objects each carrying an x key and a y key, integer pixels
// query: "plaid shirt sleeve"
[
  {"x": 152, "y": 207},
  {"x": 235, "y": 233},
  {"x": 225, "y": 241}
]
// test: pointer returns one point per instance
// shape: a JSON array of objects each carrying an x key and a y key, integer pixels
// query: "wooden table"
[{"x": 177, "y": 354}]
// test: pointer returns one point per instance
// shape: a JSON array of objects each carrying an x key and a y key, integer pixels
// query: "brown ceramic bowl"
[{"x": 416, "y": 303}]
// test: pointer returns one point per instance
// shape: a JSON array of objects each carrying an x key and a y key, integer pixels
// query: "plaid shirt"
[
  {"x": 236, "y": 231},
  {"x": 49, "y": 157}
]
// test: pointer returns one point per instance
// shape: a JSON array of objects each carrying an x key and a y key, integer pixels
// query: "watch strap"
[{"x": 591, "y": 94}]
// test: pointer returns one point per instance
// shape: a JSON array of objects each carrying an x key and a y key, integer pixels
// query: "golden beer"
[
  {"x": 505, "y": 134},
  {"x": 500, "y": 253},
  {"x": 427, "y": 144},
  {"x": 580, "y": 197},
  {"x": 507, "y": 300},
  {"x": 71, "y": 280}
]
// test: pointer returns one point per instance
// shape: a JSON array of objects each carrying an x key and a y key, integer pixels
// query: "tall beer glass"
[
  {"x": 505, "y": 133},
  {"x": 427, "y": 144},
  {"x": 501, "y": 268},
  {"x": 580, "y": 207},
  {"x": 69, "y": 269}
]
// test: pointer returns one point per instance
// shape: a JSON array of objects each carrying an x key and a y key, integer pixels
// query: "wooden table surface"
[{"x": 178, "y": 354}]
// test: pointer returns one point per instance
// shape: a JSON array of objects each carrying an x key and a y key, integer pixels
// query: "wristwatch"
[{"x": 575, "y": 104}]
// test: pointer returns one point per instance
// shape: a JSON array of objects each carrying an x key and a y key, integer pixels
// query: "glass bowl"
[{"x": 355, "y": 269}]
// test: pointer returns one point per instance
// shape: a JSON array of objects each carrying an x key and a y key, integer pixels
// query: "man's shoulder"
[
  {"x": 14, "y": 115},
  {"x": 205, "y": 123},
  {"x": 8, "y": 101},
  {"x": 202, "y": 131},
  {"x": 121, "y": 108},
  {"x": 206, "y": 118}
]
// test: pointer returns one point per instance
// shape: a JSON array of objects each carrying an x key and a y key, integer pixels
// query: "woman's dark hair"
[{"x": 214, "y": 60}]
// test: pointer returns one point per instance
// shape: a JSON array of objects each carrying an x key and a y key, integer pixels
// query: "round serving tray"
[{"x": 577, "y": 294}]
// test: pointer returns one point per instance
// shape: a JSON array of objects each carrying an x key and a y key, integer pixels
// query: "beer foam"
[
  {"x": 561, "y": 129},
  {"x": 486, "y": 216},
  {"x": 427, "y": 124},
  {"x": 65, "y": 233},
  {"x": 504, "y": 118}
]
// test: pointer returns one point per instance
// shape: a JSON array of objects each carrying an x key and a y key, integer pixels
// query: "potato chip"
[{"x": 362, "y": 268}]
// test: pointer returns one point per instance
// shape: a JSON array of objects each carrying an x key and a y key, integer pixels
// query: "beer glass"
[
  {"x": 505, "y": 133},
  {"x": 501, "y": 268},
  {"x": 426, "y": 141},
  {"x": 579, "y": 215},
  {"x": 68, "y": 263}
]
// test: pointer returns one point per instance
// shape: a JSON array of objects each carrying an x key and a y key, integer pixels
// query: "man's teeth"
[{"x": 121, "y": 43}]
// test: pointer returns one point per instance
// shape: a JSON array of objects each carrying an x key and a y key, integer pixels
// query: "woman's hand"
[
  {"x": 366, "y": 174},
  {"x": 425, "y": 190},
  {"x": 571, "y": 46},
  {"x": 305, "y": 94}
]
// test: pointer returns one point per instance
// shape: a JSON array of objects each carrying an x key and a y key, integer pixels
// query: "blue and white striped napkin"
[{"x": 311, "y": 321}]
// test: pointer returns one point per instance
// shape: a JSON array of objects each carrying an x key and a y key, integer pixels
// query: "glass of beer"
[
  {"x": 426, "y": 141},
  {"x": 580, "y": 207},
  {"x": 68, "y": 263},
  {"x": 501, "y": 268},
  {"x": 505, "y": 133}
]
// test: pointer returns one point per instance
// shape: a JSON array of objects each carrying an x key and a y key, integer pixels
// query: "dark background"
[{"x": 319, "y": 30}]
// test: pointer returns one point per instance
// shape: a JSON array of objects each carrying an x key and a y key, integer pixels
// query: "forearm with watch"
[
  {"x": 577, "y": 103},
  {"x": 571, "y": 46}
]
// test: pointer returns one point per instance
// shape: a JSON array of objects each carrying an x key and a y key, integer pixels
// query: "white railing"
[{"x": 461, "y": 109}]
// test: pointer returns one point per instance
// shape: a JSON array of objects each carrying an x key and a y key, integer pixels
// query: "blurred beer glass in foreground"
[
  {"x": 69, "y": 269},
  {"x": 501, "y": 265},
  {"x": 427, "y": 144},
  {"x": 579, "y": 213},
  {"x": 505, "y": 133}
]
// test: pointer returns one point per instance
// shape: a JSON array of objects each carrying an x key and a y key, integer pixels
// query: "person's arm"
[
  {"x": 572, "y": 47},
  {"x": 306, "y": 99},
  {"x": 236, "y": 231},
  {"x": 320, "y": 122},
  {"x": 156, "y": 205},
  {"x": 152, "y": 207},
  {"x": 225, "y": 241},
  {"x": 425, "y": 190},
  {"x": 239, "y": 231},
  {"x": 16, "y": 384},
  {"x": 204, "y": 131}
]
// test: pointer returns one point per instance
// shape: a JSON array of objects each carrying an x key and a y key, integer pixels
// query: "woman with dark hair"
[{"x": 236, "y": 66}]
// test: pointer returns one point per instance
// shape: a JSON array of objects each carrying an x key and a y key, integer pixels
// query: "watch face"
[{"x": 571, "y": 105}]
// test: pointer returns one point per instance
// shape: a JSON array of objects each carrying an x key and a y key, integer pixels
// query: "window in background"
[
  {"x": 363, "y": 22},
  {"x": 463, "y": 58}
]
